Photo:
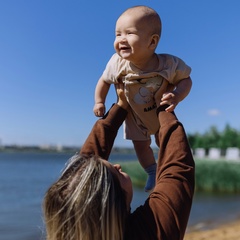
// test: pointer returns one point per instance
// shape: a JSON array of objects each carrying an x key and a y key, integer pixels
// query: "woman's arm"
[
  {"x": 175, "y": 177},
  {"x": 164, "y": 216}
]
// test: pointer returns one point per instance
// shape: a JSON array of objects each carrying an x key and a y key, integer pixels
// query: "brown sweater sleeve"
[
  {"x": 104, "y": 132},
  {"x": 175, "y": 178},
  {"x": 165, "y": 213}
]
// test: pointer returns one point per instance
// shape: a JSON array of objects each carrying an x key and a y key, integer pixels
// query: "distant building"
[{"x": 232, "y": 153}]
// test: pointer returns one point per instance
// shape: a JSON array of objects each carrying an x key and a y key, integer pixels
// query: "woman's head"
[{"x": 87, "y": 202}]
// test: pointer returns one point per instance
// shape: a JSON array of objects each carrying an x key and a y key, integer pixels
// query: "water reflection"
[{"x": 209, "y": 210}]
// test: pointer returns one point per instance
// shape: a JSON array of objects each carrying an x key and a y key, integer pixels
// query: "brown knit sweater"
[{"x": 165, "y": 213}]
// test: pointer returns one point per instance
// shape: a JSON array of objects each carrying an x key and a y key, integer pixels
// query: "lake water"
[{"x": 24, "y": 178}]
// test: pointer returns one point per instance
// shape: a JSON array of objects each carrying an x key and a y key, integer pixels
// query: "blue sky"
[{"x": 52, "y": 53}]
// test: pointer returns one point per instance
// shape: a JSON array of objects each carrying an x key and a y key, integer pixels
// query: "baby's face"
[{"x": 132, "y": 38}]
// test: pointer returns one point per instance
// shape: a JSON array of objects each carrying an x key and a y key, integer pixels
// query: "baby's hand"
[
  {"x": 99, "y": 109},
  {"x": 170, "y": 98}
]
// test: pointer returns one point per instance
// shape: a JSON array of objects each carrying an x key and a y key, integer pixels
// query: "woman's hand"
[
  {"x": 122, "y": 101},
  {"x": 171, "y": 99},
  {"x": 159, "y": 94}
]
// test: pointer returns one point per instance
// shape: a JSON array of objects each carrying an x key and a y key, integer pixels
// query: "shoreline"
[{"x": 225, "y": 231}]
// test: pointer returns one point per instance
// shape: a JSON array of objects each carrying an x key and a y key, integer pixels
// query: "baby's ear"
[{"x": 154, "y": 41}]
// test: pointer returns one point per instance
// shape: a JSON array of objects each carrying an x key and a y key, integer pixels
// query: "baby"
[{"x": 143, "y": 72}]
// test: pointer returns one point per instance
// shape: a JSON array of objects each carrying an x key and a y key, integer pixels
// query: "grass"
[
  {"x": 217, "y": 176},
  {"x": 136, "y": 172},
  {"x": 211, "y": 176}
]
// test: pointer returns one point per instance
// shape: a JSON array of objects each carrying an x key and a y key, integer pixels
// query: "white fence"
[{"x": 215, "y": 153}]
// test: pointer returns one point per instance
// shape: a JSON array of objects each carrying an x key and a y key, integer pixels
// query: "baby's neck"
[{"x": 148, "y": 65}]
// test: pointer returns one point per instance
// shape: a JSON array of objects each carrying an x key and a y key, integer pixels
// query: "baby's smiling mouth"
[{"x": 124, "y": 48}]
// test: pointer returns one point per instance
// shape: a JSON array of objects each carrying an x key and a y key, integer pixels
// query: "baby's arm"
[
  {"x": 101, "y": 92},
  {"x": 172, "y": 98}
]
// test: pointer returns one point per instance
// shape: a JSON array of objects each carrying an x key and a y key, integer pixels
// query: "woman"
[{"x": 91, "y": 200}]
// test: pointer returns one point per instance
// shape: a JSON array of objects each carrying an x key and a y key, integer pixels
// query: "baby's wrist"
[{"x": 99, "y": 103}]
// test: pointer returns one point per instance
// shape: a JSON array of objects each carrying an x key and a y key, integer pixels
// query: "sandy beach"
[{"x": 229, "y": 231}]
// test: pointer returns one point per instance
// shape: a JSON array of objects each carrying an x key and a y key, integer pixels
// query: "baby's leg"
[{"x": 147, "y": 160}]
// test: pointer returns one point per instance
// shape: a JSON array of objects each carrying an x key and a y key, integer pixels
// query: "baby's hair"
[{"x": 150, "y": 16}]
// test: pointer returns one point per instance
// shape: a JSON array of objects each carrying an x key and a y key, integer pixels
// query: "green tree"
[{"x": 230, "y": 137}]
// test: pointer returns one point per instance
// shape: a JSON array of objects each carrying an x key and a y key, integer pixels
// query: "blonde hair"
[
  {"x": 149, "y": 15},
  {"x": 86, "y": 203}
]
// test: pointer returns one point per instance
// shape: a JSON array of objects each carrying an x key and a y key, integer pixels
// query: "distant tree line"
[{"x": 213, "y": 138}]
